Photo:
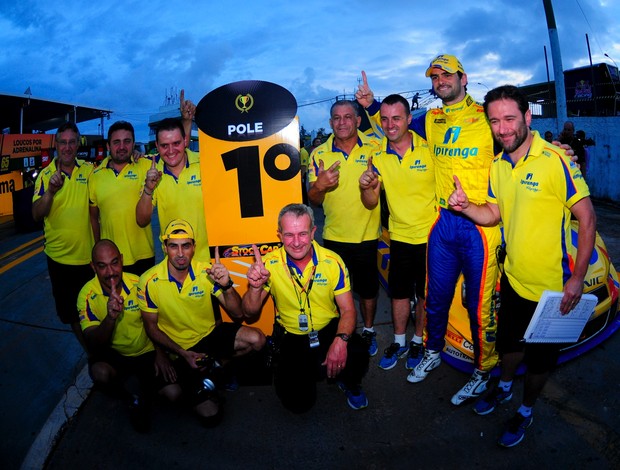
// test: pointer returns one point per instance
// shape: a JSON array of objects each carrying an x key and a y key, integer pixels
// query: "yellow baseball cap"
[
  {"x": 182, "y": 227},
  {"x": 445, "y": 62}
]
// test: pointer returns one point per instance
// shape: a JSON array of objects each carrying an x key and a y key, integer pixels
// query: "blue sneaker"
[
  {"x": 416, "y": 353},
  {"x": 356, "y": 398},
  {"x": 232, "y": 385},
  {"x": 515, "y": 430},
  {"x": 371, "y": 339},
  {"x": 489, "y": 402},
  {"x": 391, "y": 355}
]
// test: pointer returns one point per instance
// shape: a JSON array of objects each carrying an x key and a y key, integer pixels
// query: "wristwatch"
[
  {"x": 343, "y": 336},
  {"x": 227, "y": 286}
]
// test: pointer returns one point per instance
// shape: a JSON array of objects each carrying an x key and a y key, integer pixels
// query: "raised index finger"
[
  {"x": 334, "y": 166},
  {"x": 153, "y": 164},
  {"x": 217, "y": 254},
  {"x": 257, "y": 255},
  {"x": 112, "y": 287},
  {"x": 370, "y": 163},
  {"x": 182, "y": 97},
  {"x": 364, "y": 79},
  {"x": 457, "y": 183}
]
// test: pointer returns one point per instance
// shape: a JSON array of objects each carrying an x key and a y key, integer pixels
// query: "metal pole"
[
  {"x": 558, "y": 71},
  {"x": 547, "y": 64},
  {"x": 548, "y": 80}
]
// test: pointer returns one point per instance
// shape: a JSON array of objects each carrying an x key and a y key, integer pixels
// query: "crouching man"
[
  {"x": 115, "y": 336},
  {"x": 175, "y": 299},
  {"x": 315, "y": 314}
]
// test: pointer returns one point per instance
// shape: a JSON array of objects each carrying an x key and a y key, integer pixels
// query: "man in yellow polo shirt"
[
  {"x": 113, "y": 330},
  {"x": 174, "y": 185},
  {"x": 175, "y": 299},
  {"x": 461, "y": 144},
  {"x": 61, "y": 201},
  {"x": 406, "y": 172},
  {"x": 533, "y": 189},
  {"x": 114, "y": 189},
  {"x": 315, "y": 314},
  {"x": 350, "y": 229}
]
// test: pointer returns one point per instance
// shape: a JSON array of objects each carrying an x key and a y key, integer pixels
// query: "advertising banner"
[
  {"x": 9, "y": 183},
  {"x": 21, "y": 151}
]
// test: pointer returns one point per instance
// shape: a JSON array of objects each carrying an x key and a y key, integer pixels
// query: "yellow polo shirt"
[
  {"x": 68, "y": 233},
  {"x": 346, "y": 218},
  {"x": 116, "y": 196},
  {"x": 534, "y": 198}
]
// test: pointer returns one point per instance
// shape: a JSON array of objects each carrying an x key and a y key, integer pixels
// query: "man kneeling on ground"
[
  {"x": 175, "y": 299},
  {"x": 115, "y": 336},
  {"x": 315, "y": 314}
]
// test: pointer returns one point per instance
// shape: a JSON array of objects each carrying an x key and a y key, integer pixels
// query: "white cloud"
[{"x": 124, "y": 55}]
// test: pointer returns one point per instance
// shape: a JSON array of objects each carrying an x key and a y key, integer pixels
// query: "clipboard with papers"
[{"x": 548, "y": 325}]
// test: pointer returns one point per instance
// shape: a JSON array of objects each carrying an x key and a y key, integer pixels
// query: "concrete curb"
[{"x": 66, "y": 409}]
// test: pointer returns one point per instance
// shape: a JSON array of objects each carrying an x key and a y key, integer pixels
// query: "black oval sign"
[{"x": 246, "y": 110}]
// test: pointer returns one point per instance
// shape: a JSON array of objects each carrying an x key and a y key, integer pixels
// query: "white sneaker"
[
  {"x": 473, "y": 388},
  {"x": 430, "y": 361}
]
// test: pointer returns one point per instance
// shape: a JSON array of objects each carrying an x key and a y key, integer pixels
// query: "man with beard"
[
  {"x": 531, "y": 177},
  {"x": 351, "y": 230},
  {"x": 461, "y": 144},
  {"x": 114, "y": 189},
  {"x": 175, "y": 299},
  {"x": 314, "y": 332},
  {"x": 61, "y": 200},
  {"x": 406, "y": 172}
]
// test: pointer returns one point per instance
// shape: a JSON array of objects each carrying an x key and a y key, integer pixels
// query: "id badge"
[
  {"x": 313, "y": 337},
  {"x": 303, "y": 322}
]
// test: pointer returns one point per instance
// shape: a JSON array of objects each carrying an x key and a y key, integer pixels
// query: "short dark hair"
[
  {"x": 68, "y": 126},
  {"x": 121, "y": 126},
  {"x": 353, "y": 104},
  {"x": 393, "y": 99},
  {"x": 169, "y": 124},
  {"x": 506, "y": 92}
]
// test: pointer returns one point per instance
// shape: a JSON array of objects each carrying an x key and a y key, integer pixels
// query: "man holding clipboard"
[{"x": 533, "y": 189}]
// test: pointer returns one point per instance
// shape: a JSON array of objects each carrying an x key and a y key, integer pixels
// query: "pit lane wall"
[{"x": 603, "y": 159}]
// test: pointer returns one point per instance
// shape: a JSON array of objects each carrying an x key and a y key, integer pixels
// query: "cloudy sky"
[{"x": 128, "y": 55}]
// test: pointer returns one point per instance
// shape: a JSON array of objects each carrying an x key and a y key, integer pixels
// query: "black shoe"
[
  {"x": 212, "y": 421},
  {"x": 140, "y": 415},
  {"x": 217, "y": 403}
]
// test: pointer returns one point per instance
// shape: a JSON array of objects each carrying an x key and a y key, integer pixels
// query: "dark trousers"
[{"x": 299, "y": 366}]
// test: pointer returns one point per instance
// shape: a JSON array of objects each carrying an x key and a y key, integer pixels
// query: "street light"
[
  {"x": 607, "y": 55},
  {"x": 480, "y": 83}
]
